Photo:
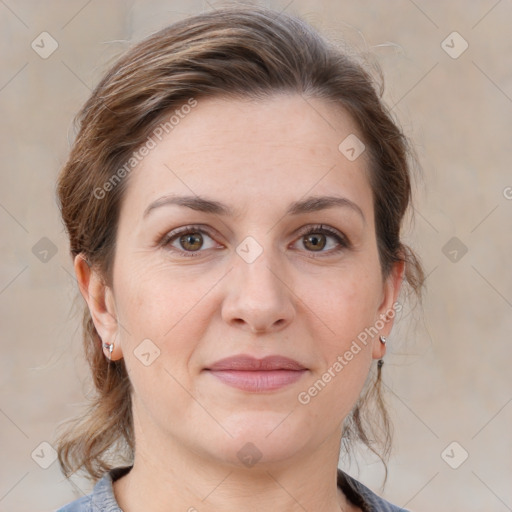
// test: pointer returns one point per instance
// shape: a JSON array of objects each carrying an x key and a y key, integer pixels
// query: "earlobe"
[
  {"x": 387, "y": 309},
  {"x": 100, "y": 301}
]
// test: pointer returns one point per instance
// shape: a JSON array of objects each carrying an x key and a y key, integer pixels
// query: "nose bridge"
[
  {"x": 258, "y": 268},
  {"x": 258, "y": 296}
]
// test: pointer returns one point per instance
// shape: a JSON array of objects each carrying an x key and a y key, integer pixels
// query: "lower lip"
[{"x": 258, "y": 381}]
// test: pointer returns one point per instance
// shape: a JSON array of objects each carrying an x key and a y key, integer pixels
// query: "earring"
[
  {"x": 382, "y": 339},
  {"x": 110, "y": 347}
]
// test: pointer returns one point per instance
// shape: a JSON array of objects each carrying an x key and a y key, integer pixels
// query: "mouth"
[{"x": 257, "y": 375}]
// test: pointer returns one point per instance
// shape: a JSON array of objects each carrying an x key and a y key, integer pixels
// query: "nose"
[{"x": 259, "y": 298}]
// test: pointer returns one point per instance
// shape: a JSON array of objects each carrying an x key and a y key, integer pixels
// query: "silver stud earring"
[
  {"x": 110, "y": 347},
  {"x": 382, "y": 339}
]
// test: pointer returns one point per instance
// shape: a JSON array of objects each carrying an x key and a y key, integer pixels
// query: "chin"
[{"x": 260, "y": 438}]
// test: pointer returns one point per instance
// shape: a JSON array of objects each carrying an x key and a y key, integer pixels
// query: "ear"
[
  {"x": 387, "y": 309},
  {"x": 100, "y": 300}
]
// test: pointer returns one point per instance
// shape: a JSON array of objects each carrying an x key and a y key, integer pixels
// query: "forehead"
[{"x": 244, "y": 152}]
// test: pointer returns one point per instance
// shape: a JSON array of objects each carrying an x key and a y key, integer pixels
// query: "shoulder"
[
  {"x": 102, "y": 496},
  {"x": 364, "y": 497}
]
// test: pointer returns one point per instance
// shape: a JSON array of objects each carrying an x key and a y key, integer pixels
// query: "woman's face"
[{"x": 247, "y": 280}]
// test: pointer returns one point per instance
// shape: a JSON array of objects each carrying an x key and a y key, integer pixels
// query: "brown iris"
[
  {"x": 315, "y": 240},
  {"x": 191, "y": 241}
]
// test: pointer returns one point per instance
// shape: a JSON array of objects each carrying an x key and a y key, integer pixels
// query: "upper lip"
[{"x": 248, "y": 363}]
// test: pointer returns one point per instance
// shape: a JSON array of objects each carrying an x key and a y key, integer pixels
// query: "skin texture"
[{"x": 257, "y": 157}]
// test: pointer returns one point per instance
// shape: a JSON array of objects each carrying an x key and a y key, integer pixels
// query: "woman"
[{"x": 234, "y": 200}]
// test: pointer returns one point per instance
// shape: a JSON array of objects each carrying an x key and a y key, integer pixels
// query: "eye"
[
  {"x": 317, "y": 238},
  {"x": 188, "y": 240},
  {"x": 193, "y": 240}
]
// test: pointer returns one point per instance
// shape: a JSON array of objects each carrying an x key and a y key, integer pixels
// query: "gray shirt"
[{"x": 102, "y": 498}]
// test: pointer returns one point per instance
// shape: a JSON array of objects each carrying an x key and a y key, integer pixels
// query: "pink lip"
[{"x": 257, "y": 375}]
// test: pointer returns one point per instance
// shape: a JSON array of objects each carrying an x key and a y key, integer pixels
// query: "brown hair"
[{"x": 239, "y": 52}]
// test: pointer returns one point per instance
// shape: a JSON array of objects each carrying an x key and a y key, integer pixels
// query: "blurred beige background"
[{"x": 449, "y": 370}]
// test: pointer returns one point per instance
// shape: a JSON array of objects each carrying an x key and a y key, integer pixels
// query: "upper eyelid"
[
  {"x": 192, "y": 228},
  {"x": 320, "y": 228}
]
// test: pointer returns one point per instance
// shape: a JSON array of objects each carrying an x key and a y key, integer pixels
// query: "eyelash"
[{"x": 343, "y": 242}]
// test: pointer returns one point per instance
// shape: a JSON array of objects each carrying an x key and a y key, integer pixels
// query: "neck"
[{"x": 173, "y": 478}]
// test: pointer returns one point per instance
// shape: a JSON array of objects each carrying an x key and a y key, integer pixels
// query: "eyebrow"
[{"x": 202, "y": 204}]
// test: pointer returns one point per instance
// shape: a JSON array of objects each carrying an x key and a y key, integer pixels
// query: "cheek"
[
  {"x": 346, "y": 306},
  {"x": 345, "y": 302},
  {"x": 344, "y": 354},
  {"x": 164, "y": 314},
  {"x": 155, "y": 300},
  {"x": 162, "y": 317}
]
